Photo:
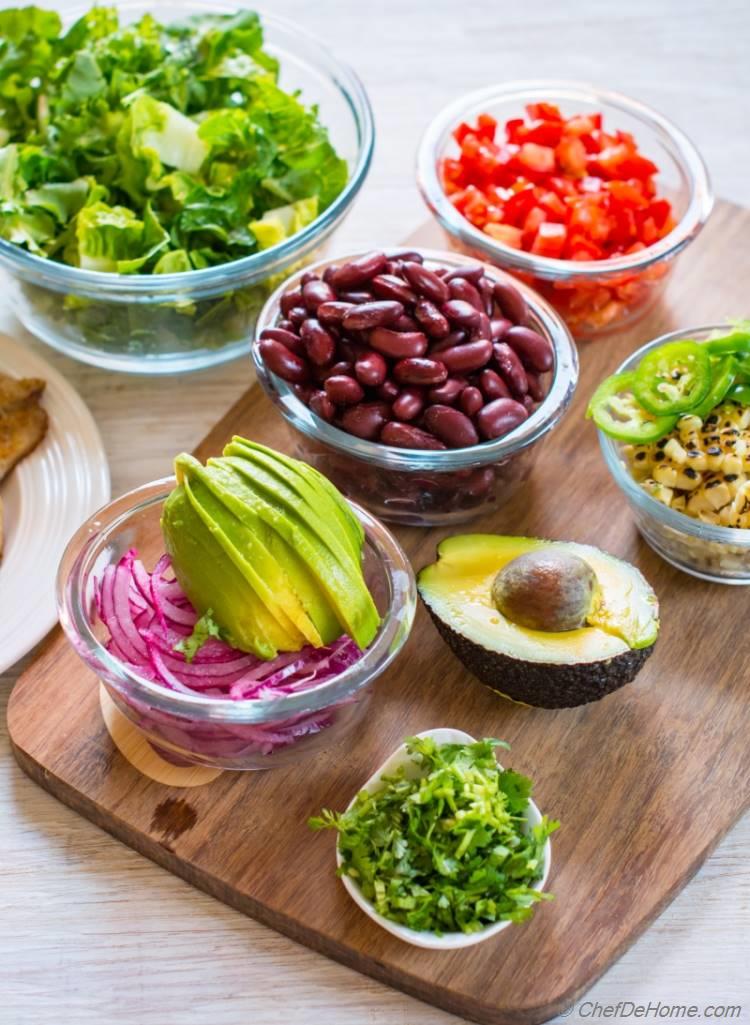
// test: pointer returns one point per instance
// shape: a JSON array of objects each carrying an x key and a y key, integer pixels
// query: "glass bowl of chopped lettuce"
[{"x": 159, "y": 176}]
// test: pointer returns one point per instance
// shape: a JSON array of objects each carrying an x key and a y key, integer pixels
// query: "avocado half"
[{"x": 549, "y": 669}]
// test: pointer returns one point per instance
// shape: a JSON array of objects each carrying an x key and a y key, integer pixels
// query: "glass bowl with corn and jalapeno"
[{"x": 674, "y": 427}]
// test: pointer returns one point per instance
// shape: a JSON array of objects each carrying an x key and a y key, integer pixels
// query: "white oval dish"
[
  {"x": 430, "y": 940},
  {"x": 46, "y": 499}
]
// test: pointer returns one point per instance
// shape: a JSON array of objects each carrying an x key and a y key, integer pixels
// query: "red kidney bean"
[
  {"x": 322, "y": 406},
  {"x": 499, "y": 417},
  {"x": 370, "y": 369},
  {"x": 485, "y": 286},
  {"x": 536, "y": 389},
  {"x": 533, "y": 348},
  {"x": 316, "y": 292},
  {"x": 290, "y": 299},
  {"x": 420, "y": 371},
  {"x": 405, "y": 323},
  {"x": 409, "y": 404},
  {"x": 355, "y": 297},
  {"x": 471, "y": 400},
  {"x": 426, "y": 282},
  {"x": 282, "y": 361},
  {"x": 431, "y": 319},
  {"x": 457, "y": 337},
  {"x": 451, "y": 426},
  {"x": 408, "y": 436},
  {"x": 493, "y": 386},
  {"x": 398, "y": 344},
  {"x": 343, "y": 367},
  {"x": 460, "y": 288},
  {"x": 357, "y": 272},
  {"x": 372, "y": 314},
  {"x": 388, "y": 391},
  {"x": 366, "y": 419},
  {"x": 329, "y": 272},
  {"x": 297, "y": 314},
  {"x": 394, "y": 267},
  {"x": 480, "y": 481},
  {"x": 405, "y": 254},
  {"x": 286, "y": 325},
  {"x": 511, "y": 368},
  {"x": 512, "y": 304},
  {"x": 468, "y": 271},
  {"x": 529, "y": 404},
  {"x": 304, "y": 392},
  {"x": 333, "y": 312},
  {"x": 309, "y": 276},
  {"x": 389, "y": 286},
  {"x": 319, "y": 345},
  {"x": 344, "y": 390},
  {"x": 484, "y": 327},
  {"x": 463, "y": 359},
  {"x": 446, "y": 394},
  {"x": 288, "y": 338},
  {"x": 460, "y": 313},
  {"x": 499, "y": 327}
]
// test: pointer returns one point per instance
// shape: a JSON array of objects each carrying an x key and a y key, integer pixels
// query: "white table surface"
[{"x": 90, "y": 932}]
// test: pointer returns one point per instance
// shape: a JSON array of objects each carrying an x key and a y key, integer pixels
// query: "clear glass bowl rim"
[
  {"x": 678, "y": 521},
  {"x": 428, "y": 181},
  {"x": 255, "y": 266},
  {"x": 542, "y": 420},
  {"x": 93, "y": 536}
]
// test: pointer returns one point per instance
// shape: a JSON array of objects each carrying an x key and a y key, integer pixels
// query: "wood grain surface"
[{"x": 645, "y": 781}]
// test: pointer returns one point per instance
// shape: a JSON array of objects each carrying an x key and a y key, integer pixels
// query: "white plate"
[
  {"x": 430, "y": 940},
  {"x": 46, "y": 498}
]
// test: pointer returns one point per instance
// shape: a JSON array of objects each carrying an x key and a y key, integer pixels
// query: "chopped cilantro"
[
  {"x": 205, "y": 627},
  {"x": 447, "y": 851}
]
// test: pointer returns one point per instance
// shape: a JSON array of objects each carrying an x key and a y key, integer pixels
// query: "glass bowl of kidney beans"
[
  {"x": 417, "y": 381},
  {"x": 585, "y": 194}
]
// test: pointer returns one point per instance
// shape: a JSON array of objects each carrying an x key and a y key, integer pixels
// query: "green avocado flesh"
[
  {"x": 529, "y": 664},
  {"x": 277, "y": 557}
]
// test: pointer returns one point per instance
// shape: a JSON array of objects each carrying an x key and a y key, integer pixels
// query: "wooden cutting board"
[{"x": 645, "y": 782}]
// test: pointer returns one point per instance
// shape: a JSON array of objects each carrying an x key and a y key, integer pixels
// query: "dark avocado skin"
[{"x": 543, "y": 684}]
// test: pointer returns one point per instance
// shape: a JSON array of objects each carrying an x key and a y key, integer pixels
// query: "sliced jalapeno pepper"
[
  {"x": 739, "y": 393},
  {"x": 674, "y": 378},
  {"x": 736, "y": 341},
  {"x": 723, "y": 374},
  {"x": 615, "y": 411}
]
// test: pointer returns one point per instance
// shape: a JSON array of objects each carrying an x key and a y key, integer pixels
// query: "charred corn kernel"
[
  {"x": 702, "y": 468},
  {"x": 717, "y": 496},
  {"x": 712, "y": 518},
  {"x": 673, "y": 450},
  {"x": 664, "y": 474},
  {"x": 659, "y": 492},
  {"x": 689, "y": 425}
]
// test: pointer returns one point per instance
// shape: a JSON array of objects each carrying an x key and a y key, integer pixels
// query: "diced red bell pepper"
[
  {"x": 536, "y": 159},
  {"x": 506, "y": 234},
  {"x": 571, "y": 156},
  {"x": 550, "y": 240}
]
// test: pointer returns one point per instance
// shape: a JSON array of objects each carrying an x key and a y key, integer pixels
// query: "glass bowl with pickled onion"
[{"x": 125, "y": 615}]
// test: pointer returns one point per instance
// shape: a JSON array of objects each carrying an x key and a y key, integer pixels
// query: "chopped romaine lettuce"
[{"x": 153, "y": 148}]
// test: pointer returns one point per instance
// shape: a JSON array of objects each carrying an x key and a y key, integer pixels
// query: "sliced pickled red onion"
[{"x": 147, "y": 615}]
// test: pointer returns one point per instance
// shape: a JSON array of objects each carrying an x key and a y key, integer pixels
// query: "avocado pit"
[{"x": 546, "y": 589}]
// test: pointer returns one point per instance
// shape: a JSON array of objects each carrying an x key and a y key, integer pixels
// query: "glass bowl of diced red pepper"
[{"x": 586, "y": 195}]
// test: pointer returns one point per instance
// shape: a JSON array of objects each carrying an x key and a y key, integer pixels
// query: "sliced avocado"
[
  {"x": 328, "y": 558},
  {"x": 312, "y": 487},
  {"x": 251, "y": 510},
  {"x": 548, "y": 667},
  {"x": 246, "y": 548},
  {"x": 202, "y": 567}
]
